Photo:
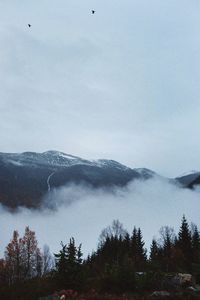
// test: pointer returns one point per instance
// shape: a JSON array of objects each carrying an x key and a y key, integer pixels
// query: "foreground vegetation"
[{"x": 118, "y": 269}]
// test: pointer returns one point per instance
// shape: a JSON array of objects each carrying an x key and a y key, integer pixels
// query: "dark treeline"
[{"x": 120, "y": 263}]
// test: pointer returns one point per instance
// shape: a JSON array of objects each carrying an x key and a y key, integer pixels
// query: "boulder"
[
  {"x": 195, "y": 289},
  {"x": 183, "y": 279},
  {"x": 160, "y": 294}
]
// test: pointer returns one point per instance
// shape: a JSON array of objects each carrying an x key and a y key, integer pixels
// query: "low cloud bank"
[{"x": 82, "y": 212}]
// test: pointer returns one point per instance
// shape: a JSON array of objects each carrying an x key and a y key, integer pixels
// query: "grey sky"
[{"x": 122, "y": 83}]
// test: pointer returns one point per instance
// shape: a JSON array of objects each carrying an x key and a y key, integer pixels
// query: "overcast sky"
[{"x": 123, "y": 83}]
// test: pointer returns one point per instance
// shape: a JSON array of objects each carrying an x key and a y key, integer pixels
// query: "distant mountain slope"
[
  {"x": 189, "y": 180},
  {"x": 25, "y": 178}
]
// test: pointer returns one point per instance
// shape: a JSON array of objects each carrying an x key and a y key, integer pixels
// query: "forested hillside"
[{"x": 121, "y": 265}]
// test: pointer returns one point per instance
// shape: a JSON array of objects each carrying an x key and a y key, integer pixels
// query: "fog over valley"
[{"x": 82, "y": 212}]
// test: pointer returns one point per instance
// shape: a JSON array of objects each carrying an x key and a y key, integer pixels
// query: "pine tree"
[
  {"x": 126, "y": 247},
  {"x": 185, "y": 243},
  {"x": 141, "y": 251},
  {"x": 168, "y": 237},
  {"x": 71, "y": 253},
  {"x": 140, "y": 246},
  {"x": 61, "y": 260},
  {"x": 196, "y": 245},
  {"x": 79, "y": 255},
  {"x": 68, "y": 264},
  {"x": 138, "y": 252},
  {"x": 154, "y": 251},
  {"x": 134, "y": 245}
]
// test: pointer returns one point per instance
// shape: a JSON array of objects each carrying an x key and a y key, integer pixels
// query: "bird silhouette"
[
  {"x": 93, "y": 11},
  {"x": 29, "y": 25}
]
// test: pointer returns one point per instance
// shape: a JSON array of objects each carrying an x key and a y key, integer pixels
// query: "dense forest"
[{"x": 120, "y": 268}]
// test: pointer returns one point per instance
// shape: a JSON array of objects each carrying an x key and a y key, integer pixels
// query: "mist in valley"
[{"x": 82, "y": 212}]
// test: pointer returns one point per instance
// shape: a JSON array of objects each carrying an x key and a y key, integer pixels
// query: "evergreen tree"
[
  {"x": 167, "y": 237},
  {"x": 68, "y": 264},
  {"x": 141, "y": 251},
  {"x": 154, "y": 251},
  {"x": 61, "y": 265},
  {"x": 79, "y": 255},
  {"x": 185, "y": 243},
  {"x": 195, "y": 245},
  {"x": 71, "y": 253},
  {"x": 138, "y": 252},
  {"x": 127, "y": 242},
  {"x": 133, "y": 247}
]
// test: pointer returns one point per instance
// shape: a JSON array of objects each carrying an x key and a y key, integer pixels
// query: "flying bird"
[
  {"x": 29, "y": 25},
  {"x": 93, "y": 11}
]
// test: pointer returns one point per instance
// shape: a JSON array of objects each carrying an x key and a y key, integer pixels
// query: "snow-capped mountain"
[
  {"x": 26, "y": 177},
  {"x": 54, "y": 159}
]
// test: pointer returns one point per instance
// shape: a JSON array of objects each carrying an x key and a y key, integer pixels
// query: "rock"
[
  {"x": 191, "y": 288},
  {"x": 195, "y": 289},
  {"x": 183, "y": 279},
  {"x": 140, "y": 273},
  {"x": 160, "y": 294}
]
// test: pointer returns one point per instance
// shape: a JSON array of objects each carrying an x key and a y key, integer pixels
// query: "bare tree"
[
  {"x": 167, "y": 235},
  {"x": 116, "y": 229},
  {"x": 48, "y": 260}
]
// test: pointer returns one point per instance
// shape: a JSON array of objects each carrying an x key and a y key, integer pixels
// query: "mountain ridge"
[{"x": 26, "y": 177}]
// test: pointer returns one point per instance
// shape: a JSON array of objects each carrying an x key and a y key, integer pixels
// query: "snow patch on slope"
[
  {"x": 192, "y": 172},
  {"x": 15, "y": 163}
]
